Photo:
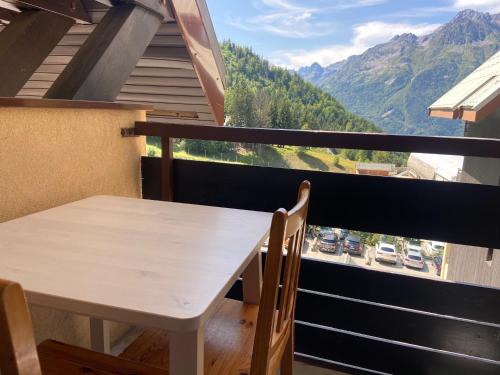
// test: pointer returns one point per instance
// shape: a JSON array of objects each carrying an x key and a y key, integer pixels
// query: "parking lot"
[{"x": 367, "y": 260}]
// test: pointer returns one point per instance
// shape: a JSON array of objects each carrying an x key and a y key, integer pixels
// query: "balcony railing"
[{"x": 354, "y": 319}]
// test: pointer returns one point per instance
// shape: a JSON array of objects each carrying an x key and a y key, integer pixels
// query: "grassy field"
[{"x": 274, "y": 156}]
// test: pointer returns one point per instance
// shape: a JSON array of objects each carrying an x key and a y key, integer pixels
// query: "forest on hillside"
[{"x": 259, "y": 94}]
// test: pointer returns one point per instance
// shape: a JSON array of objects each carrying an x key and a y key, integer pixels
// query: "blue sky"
[{"x": 296, "y": 33}]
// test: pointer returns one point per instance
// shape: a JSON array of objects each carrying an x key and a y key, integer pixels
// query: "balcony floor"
[
  {"x": 303, "y": 369},
  {"x": 299, "y": 368}
]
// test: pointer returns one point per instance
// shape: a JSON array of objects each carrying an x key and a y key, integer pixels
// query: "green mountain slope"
[
  {"x": 393, "y": 84},
  {"x": 261, "y": 95}
]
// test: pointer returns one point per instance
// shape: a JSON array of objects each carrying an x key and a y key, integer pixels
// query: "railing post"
[{"x": 167, "y": 165}]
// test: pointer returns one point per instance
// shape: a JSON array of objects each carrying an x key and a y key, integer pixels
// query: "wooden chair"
[
  {"x": 19, "y": 354},
  {"x": 243, "y": 338}
]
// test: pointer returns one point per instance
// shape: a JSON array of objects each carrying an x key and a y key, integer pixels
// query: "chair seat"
[
  {"x": 229, "y": 337},
  {"x": 61, "y": 359}
]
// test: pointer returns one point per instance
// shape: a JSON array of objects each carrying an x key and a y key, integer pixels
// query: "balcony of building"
[{"x": 349, "y": 319}]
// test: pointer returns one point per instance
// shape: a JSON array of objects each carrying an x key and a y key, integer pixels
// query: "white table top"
[{"x": 142, "y": 262}]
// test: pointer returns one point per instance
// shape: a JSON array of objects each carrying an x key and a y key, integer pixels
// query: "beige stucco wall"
[{"x": 50, "y": 157}]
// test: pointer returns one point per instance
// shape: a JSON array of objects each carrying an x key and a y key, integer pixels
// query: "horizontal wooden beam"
[
  {"x": 68, "y": 8},
  {"x": 359, "y": 141}
]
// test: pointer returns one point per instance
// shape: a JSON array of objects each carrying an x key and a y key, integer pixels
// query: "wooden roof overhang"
[
  {"x": 468, "y": 114},
  {"x": 475, "y": 98},
  {"x": 181, "y": 72}
]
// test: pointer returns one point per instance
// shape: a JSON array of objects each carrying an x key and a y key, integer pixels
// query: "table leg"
[
  {"x": 252, "y": 280},
  {"x": 99, "y": 336},
  {"x": 187, "y": 352}
]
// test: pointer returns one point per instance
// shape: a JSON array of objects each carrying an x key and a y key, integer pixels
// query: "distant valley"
[{"x": 392, "y": 84}]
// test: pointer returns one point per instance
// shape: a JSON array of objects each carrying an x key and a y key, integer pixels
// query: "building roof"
[
  {"x": 445, "y": 166},
  {"x": 475, "y": 98},
  {"x": 181, "y": 72},
  {"x": 375, "y": 167}
]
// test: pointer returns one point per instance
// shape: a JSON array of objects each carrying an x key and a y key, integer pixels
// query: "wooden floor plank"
[{"x": 228, "y": 341}]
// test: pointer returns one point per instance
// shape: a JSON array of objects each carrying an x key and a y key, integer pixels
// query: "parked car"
[
  {"x": 352, "y": 245},
  {"x": 413, "y": 258},
  {"x": 438, "y": 263},
  {"x": 385, "y": 252},
  {"x": 437, "y": 248},
  {"x": 323, "y": 231},
  {"x": 343, "y": 233},
  {"x": 328, "y": 243},
  {"x": 413, "y": 242}
]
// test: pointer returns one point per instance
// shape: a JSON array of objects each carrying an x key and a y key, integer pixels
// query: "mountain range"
[{"x": 393, "y": 84}]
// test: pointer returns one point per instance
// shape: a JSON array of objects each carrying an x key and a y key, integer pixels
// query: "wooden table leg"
[
  {"x": 252, "y": 280},
  {"x": 187, "y": 352},
  {"x": 99, "y": 336}
]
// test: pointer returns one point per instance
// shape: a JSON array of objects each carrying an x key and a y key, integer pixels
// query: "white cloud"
[
  {"x": 365, "y": 36},
  {"x": 289, "y": 19},
  {"x": 484, "y": 5}
]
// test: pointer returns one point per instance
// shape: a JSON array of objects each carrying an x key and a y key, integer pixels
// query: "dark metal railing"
[{"x": 355, "y": 319}]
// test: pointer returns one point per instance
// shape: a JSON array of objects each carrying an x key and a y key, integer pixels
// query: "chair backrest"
[
  {"x": 275, "y": 322},
  {"x": 18, "y": 353}
]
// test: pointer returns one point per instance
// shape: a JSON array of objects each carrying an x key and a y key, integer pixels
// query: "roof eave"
[
  {"x": 469, "y": 114},
  {"x": 196, "y": 27}
]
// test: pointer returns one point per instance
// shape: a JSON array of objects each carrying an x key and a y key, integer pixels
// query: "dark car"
[
  {"x": 323, "y": 231},
  {"x": 328, "y": 243},
  {"x": 352, "y": 245},
  {"x": 438, "y": 263},
  {"x": 343, "y": 234}
]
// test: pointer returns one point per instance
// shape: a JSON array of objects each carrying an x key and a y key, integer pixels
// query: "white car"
[
  {"x": 436, "y": 248},
  {"x": 413, "y": 247},
  {"x": 385, "y": 252},
  {"x": 413, "y": 258}
]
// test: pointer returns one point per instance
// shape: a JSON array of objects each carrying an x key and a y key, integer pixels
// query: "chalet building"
[
  {"x": 113, "y": 262},
  {"x": 375, "y": 169},
  {"x": 436, "y": 167},
  {"x": 475, "y": 100}
]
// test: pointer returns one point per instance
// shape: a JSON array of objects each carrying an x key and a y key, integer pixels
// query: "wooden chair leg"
[{"x": 286, "y": 367}]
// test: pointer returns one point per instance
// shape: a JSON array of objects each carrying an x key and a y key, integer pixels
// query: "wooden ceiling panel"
[
  {"x": 169, "y": 29},
  {"x": 164, "y": 77},
  {"x": 68, "y": 8},
  {"x": 171, "y": 99},
  {"x": 173, "y": 106},
  {"x": 174, "y": 53},
  {"x": 164, "y": 82},
  {"x": 165, "y": 63},
  {"x": 179, "y": 120},
  {"x": 163, "y": 90},
  {"x": 164, "y": 73}
]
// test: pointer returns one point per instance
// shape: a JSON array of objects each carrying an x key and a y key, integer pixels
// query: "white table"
[{"x": 146, "y": 263}]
